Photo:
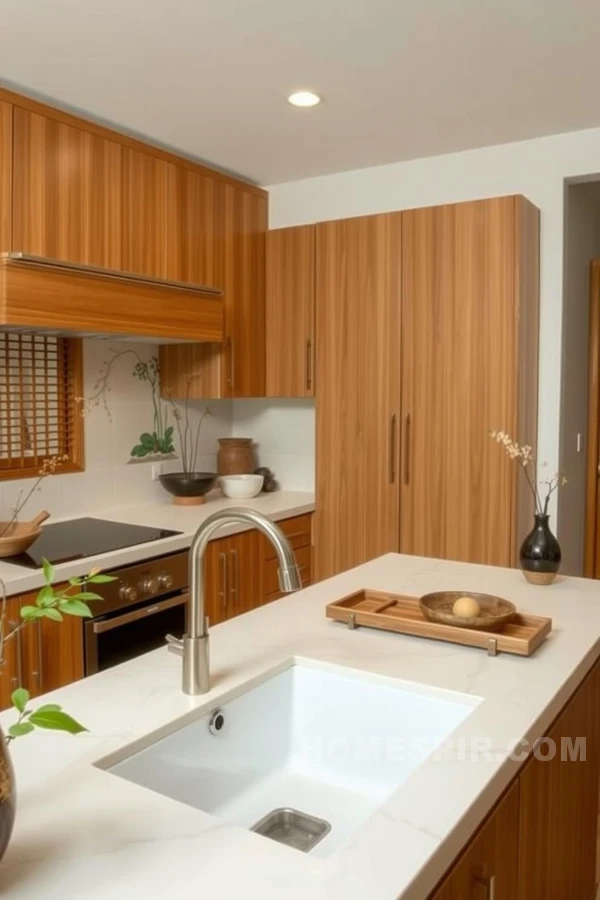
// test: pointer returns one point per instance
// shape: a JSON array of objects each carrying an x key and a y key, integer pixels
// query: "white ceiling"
[{"x": 400, "y": 78}]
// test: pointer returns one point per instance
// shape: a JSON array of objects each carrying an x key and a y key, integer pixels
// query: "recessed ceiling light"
[{"x": 304, "y": 98}]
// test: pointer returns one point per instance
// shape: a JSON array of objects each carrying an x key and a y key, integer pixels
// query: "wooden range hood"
[{"x": 38, "y": 294}]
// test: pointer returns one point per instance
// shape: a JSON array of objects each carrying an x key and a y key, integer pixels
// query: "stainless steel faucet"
[{"x": 194, "y": 644}]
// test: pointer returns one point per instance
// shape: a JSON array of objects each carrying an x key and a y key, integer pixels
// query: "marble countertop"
[
  {"x": 83, "y": 833},
  {"x": 186, "y": 519}
]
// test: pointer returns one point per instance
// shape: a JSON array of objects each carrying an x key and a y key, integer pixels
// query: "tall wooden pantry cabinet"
[{"x": 426, "y": 339}]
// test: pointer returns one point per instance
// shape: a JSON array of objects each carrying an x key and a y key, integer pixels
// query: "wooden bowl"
[
  {"x": 495, "y": 612},
  {"x": 21, "y": 535}
]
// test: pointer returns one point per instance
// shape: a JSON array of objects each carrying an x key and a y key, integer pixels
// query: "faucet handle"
[{"x": 175, "y": 644}]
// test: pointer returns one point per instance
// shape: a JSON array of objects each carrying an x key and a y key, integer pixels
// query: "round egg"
[{"x": 466, "y": 608}]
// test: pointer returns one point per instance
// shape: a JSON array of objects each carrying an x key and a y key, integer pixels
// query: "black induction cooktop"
[{"x": 78, "y": 538}]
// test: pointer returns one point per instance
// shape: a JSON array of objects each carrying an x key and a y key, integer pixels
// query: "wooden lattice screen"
[{"x": 40, "y": 377}]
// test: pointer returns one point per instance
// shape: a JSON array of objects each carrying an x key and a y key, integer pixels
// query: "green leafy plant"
[{"x": 51, "y": 603}]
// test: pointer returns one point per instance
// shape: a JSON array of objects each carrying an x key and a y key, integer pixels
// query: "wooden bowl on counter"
[
  {"x": 494, "y": 611},
  {"x": 17, "y": 537}
]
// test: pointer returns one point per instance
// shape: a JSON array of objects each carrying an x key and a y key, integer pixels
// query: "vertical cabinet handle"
[
  {"x": 223, "y": 591},
  {"x": 38, "y": 673},
  {"x": 486, "y": 887},
  {"x": 19, "y": 678},
  {"x": 407, "y": 448},
  {"x": 236, "y": 579},
  {"x": 231, "y": 354},
  {"x": 393, "y": 448},
  {"x": 309, "y": 377}
]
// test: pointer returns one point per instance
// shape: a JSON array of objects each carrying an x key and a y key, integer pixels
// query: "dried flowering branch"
[
  {"x": 523, "y": 454},
  {"x": 49, "y": 467}
]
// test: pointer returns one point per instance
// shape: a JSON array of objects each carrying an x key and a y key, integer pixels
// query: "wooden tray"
[{"x": 401, "y": 613}]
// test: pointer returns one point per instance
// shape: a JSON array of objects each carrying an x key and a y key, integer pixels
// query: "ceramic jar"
[{"x": 236, "y": 456}]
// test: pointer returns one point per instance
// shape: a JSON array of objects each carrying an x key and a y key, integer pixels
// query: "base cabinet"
[
  {"x": 488, "y": 869},
  {"x": 43, "y": 656},
  {"x": 540, "y": 841}
]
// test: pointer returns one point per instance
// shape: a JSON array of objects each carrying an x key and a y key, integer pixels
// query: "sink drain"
[{"x": 291, "y": 827}]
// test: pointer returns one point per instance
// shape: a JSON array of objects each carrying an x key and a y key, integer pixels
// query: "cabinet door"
[
  {"x": 358, "y": 400},
  {"x": 6, "y": 155},
  {"x": 144, "y": 213},
  {"x": 244, "y": 359},
  {"x": 216, "y": 580},
  {"x": 195, "y": 228},
  {"x": 12, "y": 673},
  {"x": 463, "y": 324},
  {"x": 52, "y": 651},
  {"x": 559, "y": 806},
  {"x": 235, "y": 368},
  {"x": 488, "y": 869},
  {"x": 291, "y": 312},
  {"x": 244, "y": 573},
  {"x": 67, "y": 192}
]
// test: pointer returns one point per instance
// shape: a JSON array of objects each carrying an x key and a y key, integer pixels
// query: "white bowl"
[{"x": 241, "y": 487}]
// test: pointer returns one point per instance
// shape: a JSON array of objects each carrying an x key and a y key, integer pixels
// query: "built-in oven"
[{"x": 146, "y": 602}]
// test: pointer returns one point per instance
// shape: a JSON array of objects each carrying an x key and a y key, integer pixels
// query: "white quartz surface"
[
  {"x": 186, "y": 519},
  {"x": 83, "y": 833}
]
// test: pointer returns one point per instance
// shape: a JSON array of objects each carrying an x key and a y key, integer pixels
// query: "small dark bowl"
[{"x": 182, "y": 484}]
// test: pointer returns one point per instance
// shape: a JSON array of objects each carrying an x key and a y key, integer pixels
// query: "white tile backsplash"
[{"x": 284, "y": 431}]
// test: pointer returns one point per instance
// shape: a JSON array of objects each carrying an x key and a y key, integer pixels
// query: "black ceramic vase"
[
  {"x": 540, "y": 554},
  {"x": 7, "y": 796}
]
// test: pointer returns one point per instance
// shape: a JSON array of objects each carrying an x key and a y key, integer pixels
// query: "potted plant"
[
  {"x": 540, "y": 554},
  {"x": 51, "y": 603}
]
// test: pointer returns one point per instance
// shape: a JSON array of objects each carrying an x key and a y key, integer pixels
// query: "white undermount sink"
[{"x": 327, "y": 741}]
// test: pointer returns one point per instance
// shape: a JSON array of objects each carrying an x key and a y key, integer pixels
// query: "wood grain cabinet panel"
[
  {"x": 12, "y": 673},
  {"x": 488, "y": 869},
  {"x": 6, "y": 154},
  {"x": 290, "y": 316},
  {"x": 144, "y": 213},
  {"x": 67, "y": 192},
  {"x": 195, "y": 226},
  {"x": 559, "y": 806},
  {"x": 44, "y": 656},
  {"x": 470, "y": 300},
  {"x": 235, "y": 368},
  {"x": 358, "y": 305}
]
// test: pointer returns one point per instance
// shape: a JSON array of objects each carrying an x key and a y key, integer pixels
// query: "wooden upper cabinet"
[
  {"x": 358, "y": 398},
  {"x": 246, "y": 216},
  {"x": 144, "y": 213},
  {"x": 559, "y": 805},
  {"x": 66, "y": 192},
  {"x": 237, "y": 367},
  {"x": 488, "y": 869},
  {"x": 6, "y": 123},
  {"x": 290, "y": 315},
  {"x": 469, "y": 365},
  {"x": 195, "y": 222}
]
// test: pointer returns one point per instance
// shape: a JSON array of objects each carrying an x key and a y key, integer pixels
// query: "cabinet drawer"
[
  {"x": 303, "y": 558},
  {"x": 298, "y": 532}
]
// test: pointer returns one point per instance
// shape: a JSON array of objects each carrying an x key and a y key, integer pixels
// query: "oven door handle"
[{"x": 104, "y": 625}]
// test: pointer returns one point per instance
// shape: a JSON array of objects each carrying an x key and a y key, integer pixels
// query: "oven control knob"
[
  {"x": 165, "y": 581},
  {"x": 149, "y": 585},
  {"x": 128, "y": 592}
]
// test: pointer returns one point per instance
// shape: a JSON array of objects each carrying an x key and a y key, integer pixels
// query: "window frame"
[{"x": 76, "y": 461}]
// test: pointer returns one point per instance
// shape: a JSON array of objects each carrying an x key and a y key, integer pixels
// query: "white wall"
[
  {"x": 582, "y": 243},
  {"x": 109, "y": 478},
  {"x": 534, "y": 168}
]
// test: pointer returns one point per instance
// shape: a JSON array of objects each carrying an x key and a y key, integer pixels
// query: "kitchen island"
[{"x": 81, "y": 832}]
